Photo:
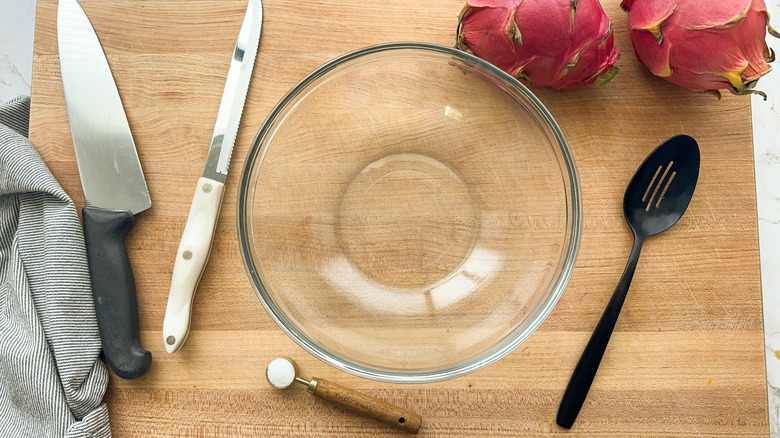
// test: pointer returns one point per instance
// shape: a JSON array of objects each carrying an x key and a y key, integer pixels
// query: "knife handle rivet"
[
  {"x": 186, "y": 255},
  {"x": 207, "y": 188},
  {"x": 170, "y": 340}
]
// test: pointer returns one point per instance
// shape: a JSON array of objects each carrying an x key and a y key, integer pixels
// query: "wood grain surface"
[{"x": 687, "y": 355}]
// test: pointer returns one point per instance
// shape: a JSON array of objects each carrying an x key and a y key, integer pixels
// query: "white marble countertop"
[
  {"x": 766, "y": 132},
  {"x": 17, "y": 23},
  {"x": 16, "y": 36}
]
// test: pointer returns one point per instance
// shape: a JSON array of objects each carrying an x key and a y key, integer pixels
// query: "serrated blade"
[
  {"x": 109, "y": 168},
  {"x": 234, "y": 95}
]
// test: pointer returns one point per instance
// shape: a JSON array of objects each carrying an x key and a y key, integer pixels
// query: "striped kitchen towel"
[{"x": 52, "y": 380}]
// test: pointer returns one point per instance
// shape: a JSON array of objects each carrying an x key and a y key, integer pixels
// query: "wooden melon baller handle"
[
  {"x": 377, "y": 409},
  {"x": 283, "y": 372}
]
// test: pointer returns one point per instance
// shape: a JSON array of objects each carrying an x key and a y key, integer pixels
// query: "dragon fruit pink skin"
[
  {"x": 705, "y": 46},
  {"x": 554, "y": 43}
]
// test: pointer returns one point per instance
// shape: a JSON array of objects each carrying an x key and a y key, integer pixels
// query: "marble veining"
[
  {"x": 17, "y": 19},
  {"x": 766, "y": 132}
]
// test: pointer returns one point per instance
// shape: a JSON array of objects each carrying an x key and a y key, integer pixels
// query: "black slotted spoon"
[{"x": 655, "y": 199}]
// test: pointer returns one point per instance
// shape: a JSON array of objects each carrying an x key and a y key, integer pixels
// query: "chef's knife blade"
[
  {"x": 113, "y": 183},
  {"x": 195, "y": 246}
]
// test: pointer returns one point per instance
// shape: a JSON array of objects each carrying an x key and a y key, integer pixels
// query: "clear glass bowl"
[{"x": 409, "y": 213}]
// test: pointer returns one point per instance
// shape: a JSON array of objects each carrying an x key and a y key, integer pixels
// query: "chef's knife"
[
  {"x": 113, "y": 183},
  {"x": 195, "y": 246}
]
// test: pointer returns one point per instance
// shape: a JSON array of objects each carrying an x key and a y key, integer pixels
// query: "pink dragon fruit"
[
  {"x": 554, "y": 43},
  {"x": 705, "y": 46}
]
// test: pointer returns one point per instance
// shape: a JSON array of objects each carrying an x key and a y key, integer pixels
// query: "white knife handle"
[{"x": 191, "y": 259}]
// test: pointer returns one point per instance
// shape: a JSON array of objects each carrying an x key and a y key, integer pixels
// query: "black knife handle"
[{"x": 113, "y": 289}]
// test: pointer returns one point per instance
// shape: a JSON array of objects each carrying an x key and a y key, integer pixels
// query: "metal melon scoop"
[
  {"x": 282, "y": 372},
  {"x": 655, "y": 199}
]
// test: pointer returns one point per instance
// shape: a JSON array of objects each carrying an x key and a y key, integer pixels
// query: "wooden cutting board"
[{"x": 687, "y": 357}]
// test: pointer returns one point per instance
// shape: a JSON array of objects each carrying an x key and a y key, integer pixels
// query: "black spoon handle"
[{"x": 585, "y": 371}]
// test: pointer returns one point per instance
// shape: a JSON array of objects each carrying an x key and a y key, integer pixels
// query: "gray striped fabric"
[{"x": 52, "y": 380}]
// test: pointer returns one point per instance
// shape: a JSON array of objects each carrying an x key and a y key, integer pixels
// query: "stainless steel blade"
[
  {"x": 234, "y": 95},
  {"x": 110, "y": 171}
]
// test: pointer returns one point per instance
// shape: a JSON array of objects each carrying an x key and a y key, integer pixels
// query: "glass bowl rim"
[{"x": 511, "y": 341}]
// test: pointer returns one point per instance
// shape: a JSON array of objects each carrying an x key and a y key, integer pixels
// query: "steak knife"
[
  {"x": 113, "y": 182},
  {"x": 195, "y": 246}
]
